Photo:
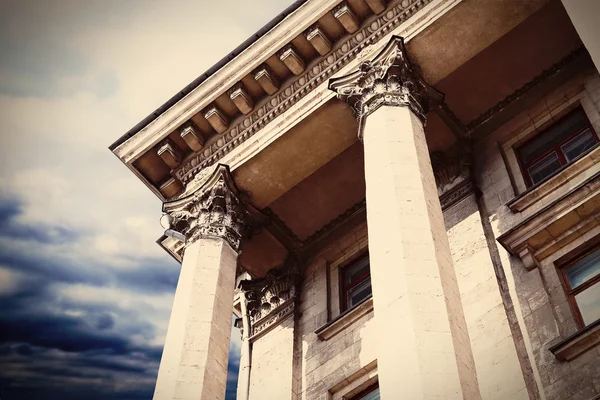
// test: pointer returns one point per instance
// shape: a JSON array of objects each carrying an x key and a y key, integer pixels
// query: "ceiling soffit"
[{"x": 510, "y": 62}]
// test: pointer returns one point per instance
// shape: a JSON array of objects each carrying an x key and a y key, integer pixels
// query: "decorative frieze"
[
  {"x": 388, "y": 79},
  {"x": 214, "y": 210},
  {"x": 456, "y": 194},
  {"x": 271, "y": 299},
  {"x": 300, "y": 87}
]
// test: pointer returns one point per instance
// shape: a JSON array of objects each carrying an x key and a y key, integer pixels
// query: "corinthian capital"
[
  {"x": 214, "y": 210},
  {"x": 269, "y": 300},
  {"x": 387, "y": 79}
]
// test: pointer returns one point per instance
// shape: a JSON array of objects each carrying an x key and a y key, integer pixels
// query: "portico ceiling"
[{"x": 510, "y": 62}]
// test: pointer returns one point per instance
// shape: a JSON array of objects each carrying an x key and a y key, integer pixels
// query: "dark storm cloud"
[
  {"x": 10, "y": 209},
  {"x": 43, "y": 349},
  {"x": 232, "y": 377},
  {"x": 41, "y": 373},
  {"x": 105, "y": 321},
  {"x": 155, "y": 276},
  {"x": 152, "y": 276}
]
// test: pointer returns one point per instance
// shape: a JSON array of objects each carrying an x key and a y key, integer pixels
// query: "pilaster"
[
  {"x": 423, "y": 348},
  {"x": 270, "y": 305}
]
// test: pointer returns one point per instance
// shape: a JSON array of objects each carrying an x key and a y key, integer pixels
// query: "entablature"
[{"x": 282, "y": 76}]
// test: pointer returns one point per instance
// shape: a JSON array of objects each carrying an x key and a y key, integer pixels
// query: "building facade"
[{"x": 398, "y": 199}]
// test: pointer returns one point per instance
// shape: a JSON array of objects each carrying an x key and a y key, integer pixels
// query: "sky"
[{"x": 85, "y": 293}]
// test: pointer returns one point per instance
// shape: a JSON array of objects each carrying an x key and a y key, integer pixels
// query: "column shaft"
[
  {"x": 194, "y": 361},
  {"x": 423, "y": 347}
]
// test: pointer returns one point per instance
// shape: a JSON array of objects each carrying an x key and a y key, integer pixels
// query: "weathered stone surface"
[{"x": 195, "y": 356}]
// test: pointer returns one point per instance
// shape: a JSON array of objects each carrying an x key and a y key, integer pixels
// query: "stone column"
[
  {"x": 194, "y": 360},
  {"x": 423, "y": 345},
  {"x": 584, "y": 15}
]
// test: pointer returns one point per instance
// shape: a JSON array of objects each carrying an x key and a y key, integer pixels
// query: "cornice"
[
  {"x": 287, "y": 96},
  {"x": 225, "y": 78}
]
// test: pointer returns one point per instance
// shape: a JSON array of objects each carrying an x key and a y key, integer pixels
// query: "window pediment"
[{"x": 559, "y": 223}]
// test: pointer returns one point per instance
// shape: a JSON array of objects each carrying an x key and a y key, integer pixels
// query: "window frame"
[
  {"x": 571, "y": 293},
  {"x": 365, "y": 392},
  {"x": 556, "y": 148},
  {"x": 344, "y": 288}
]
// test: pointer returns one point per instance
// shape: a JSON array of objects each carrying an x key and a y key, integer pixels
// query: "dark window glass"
[
  {"x": 356, "y": 282},
  {"x": 582, "y": 280},
  {"x": 557, "y": 146},
  {"x": 369, "y": 394},
  {"x": 580, "y": 143}
]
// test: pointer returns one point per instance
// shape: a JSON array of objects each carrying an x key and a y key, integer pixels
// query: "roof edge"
[{"x": 211, "y": 71}]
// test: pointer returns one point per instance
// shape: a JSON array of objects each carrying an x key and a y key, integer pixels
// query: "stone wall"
[
  {"x": 271, "y": 374},
  {"x": 346, "y": 360},
  {"x": 542, "y": 310},
  {"x": 499, "y": 371}
]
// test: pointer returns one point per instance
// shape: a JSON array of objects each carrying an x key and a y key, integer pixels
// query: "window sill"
[
  {"x": 588, "y": 161},
  {"x": 344, "y": 320},
  {"x": 578, "y": 343}
]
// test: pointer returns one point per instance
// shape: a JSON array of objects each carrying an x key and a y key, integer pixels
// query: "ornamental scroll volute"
[
  {"x": 269, "y": 300},
  {"x": 388, "y": 79},
  {"x": 214, "y": 210}
]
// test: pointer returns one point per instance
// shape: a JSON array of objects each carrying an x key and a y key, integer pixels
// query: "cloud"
[{"x": 85, "y": 291}]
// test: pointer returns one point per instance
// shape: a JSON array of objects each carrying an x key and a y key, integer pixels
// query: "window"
[
  {"x": 371, "y": 393},
  {"x": 355, "y": 282},
  {"x": 557, "y": 146},
  {"x": 582, "y": 282}
]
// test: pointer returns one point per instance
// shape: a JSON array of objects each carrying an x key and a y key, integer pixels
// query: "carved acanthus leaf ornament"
[
  {"x": 387, "y": 79},
  {"x": 270, "y": 299},
  {"x": 214, "y": 210}
]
